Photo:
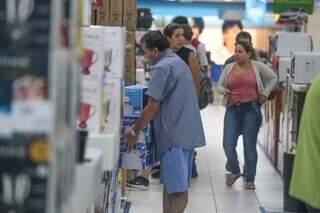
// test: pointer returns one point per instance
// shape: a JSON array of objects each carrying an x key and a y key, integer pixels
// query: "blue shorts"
[{"x": 175, "y": 169}]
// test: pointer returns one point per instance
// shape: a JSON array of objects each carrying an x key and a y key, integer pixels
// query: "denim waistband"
[{"x": 245, "y": 103}]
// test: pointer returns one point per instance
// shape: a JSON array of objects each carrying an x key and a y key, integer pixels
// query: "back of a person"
[
  {"x": 182, "y": 116},
  {"x": 308, "y": 151},
  {"x": 183, "y": 53}
]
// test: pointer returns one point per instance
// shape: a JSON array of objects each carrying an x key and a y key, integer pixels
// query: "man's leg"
[
  {"x": 146, "y": 173},
  {"x": 178, "y": 202},
  {"x": 166, "y": 201}
]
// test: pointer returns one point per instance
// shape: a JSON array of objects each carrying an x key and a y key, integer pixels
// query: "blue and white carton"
[
  {"x": 135, "y": 99},
  {"x": 143, "y": 155}
]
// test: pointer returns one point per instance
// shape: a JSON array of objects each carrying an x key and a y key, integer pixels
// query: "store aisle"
[{"x": 208, "y": 192}]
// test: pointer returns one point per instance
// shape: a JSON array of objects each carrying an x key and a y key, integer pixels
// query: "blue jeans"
[{"x": 242, "y": 119}]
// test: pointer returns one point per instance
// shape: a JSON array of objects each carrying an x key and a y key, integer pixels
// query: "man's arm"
[{"x": 146, "y": 116}]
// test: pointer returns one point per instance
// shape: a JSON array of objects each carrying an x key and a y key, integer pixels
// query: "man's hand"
[
  {"x": 131, "y": 138},
  {"x": 262, "y": 98}
]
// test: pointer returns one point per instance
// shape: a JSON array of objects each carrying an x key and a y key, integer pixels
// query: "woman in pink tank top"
[{"x": 243, "y": 114}]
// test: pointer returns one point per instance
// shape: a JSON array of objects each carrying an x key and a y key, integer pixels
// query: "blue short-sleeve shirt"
[{"x": 178, "y": 121}]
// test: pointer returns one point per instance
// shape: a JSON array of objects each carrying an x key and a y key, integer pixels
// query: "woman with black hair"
[
  {"x": 244, "y": 93},
  {"x": 175, "y": 35}
]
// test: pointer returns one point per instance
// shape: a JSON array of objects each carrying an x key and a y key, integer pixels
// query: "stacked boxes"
[
  {"x": 100, "y": 12},
  {"x": 115, "y": 13},
  {"x": 102, "y": 74},
  {"x": 143, "y": 155},
  {"x": 130, "y": 56},
  {"x": 119, "y": 13}
]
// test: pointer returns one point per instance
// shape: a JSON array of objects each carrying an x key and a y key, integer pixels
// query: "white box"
[
  {"x": 286, "y": 42},
  {"x": 114, "y": 46},
  {"x": 284, "y": 68},
  {"x": 109, "y": 144},
  {"x": 87, "y": 181},
  {"x": 111, "y": 104},
  {"x": 94, "y": 55},
  {"x": 304, "y": 66},
  {"x": 90, "y": 106}
]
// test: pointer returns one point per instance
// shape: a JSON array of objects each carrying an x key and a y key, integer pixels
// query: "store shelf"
[
  {"x": 87, "y": 181},
  {"x": 109, "y": 144}
]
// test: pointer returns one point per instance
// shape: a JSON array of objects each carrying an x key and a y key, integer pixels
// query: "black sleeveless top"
[{"x": 184, "y": 53}]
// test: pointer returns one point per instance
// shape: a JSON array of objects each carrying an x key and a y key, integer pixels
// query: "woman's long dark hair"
[
  {"x": 170, "y": 28},
  {"x": 249, "y": 49}
]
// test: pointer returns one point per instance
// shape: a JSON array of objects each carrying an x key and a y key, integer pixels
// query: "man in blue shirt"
[{"x": 173, "y": 107}]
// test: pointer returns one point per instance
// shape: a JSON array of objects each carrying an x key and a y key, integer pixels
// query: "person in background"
[
  {"x": 230, "y": 29},
  {"x": 197, "y": 28},
  {"x": 241, "y": 85},
  {"x": 305, "y": 184},
  {"x": 188, "y": 37},
  {"x": 173, "y": 109},
  {"x": 175, "y": 36},
  {"x": 242, "y": 36},
  {"x": 180, "y": 20}
]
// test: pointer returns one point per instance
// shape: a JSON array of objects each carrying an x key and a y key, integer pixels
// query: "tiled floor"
[{"x": 208, "y": 192}]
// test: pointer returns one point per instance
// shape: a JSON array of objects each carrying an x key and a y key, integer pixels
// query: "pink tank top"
[{"x": 242, "y": 86}]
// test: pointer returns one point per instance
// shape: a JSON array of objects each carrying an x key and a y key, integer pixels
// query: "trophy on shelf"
[
  {"x": 85, "y": 109},
  {"x": 89, "y": 58}
]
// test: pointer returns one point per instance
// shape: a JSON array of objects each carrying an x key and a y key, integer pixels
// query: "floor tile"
[{"x": 208, "y": 192}]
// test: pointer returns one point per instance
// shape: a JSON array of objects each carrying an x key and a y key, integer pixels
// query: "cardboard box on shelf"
[
  {"x": 143, "y": 155},
  {"x": 90, "y": 106},
  {"x": 103, "y": 13},
  {"x": 130, "y": 14},
  {"x": 113, "y": 46},
  {"x": 116, "y": 12},
  {"x": 111, "y": 104},
  {"x": 130, "y": 59},
  {"x": 135, "y": 99},
  {"x": 94, "y": 56}
]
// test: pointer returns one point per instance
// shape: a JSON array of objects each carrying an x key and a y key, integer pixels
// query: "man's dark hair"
[
  {"x": 170, "y": 28},
  {"x": 245, "y": 35},
  {"x": 187, "y": 31},
  {"x": 155, "y": 39},
  {"x": 231, "y": 23},
  {"x": 198, "y": 23},
  {"x": 180, "y": 20}
]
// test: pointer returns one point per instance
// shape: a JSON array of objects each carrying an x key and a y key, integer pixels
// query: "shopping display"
[
  {"x": 34, "y": 55},
  {"x": 74, "y": 80},
  {"x": 143, "y": 156}
]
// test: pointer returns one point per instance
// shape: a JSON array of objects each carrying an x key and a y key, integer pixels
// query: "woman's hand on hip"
[{"x": 262, "y": 98}]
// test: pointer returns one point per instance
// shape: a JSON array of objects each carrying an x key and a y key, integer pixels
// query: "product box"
[
  {"x": 130, "y": 14},
  {"x": 114, "y": 39},
  {"x": 139, "y": 158},
  {"x": 90, "y": 107},
  {"x": 135, "y": 99},
  {"x": 111, "y": 104},
  {"x": 101, "y": 10},
  {"x": 116, "y": 12},
  {"x": 94, "y": 56},
  {"x": 130, "y": 56}
]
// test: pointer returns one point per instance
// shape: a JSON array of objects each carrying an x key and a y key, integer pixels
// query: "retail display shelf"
[
  {"x": 87, "y": 181},
  {"x": 109, "y": 144}
]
